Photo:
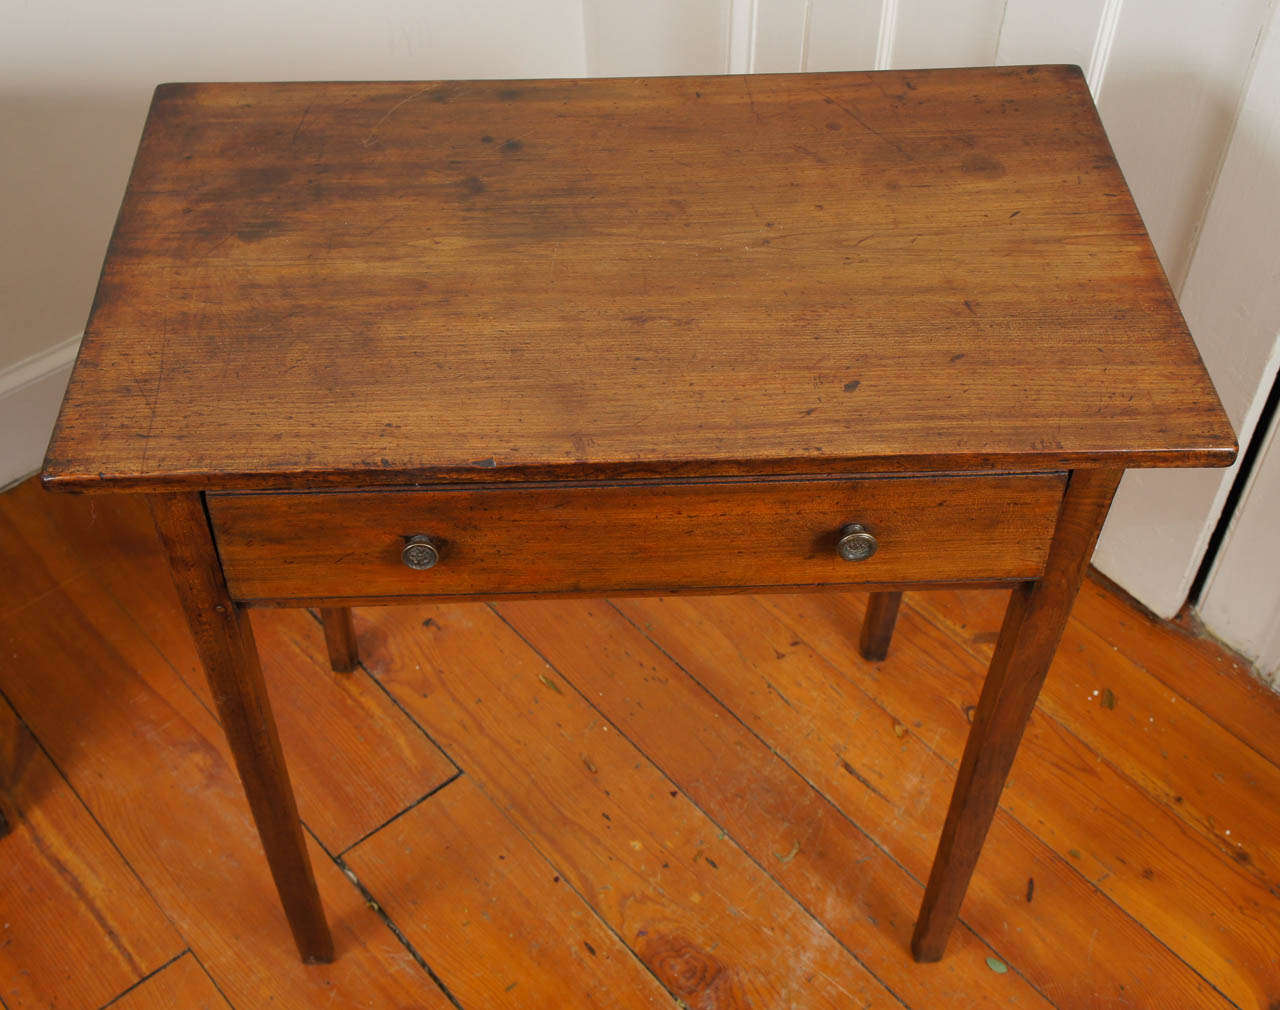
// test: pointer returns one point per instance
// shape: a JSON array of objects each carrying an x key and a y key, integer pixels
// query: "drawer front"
[{"x": 594, "y": 538}]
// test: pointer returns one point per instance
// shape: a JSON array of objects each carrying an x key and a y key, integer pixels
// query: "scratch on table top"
[
  {"x": 812, "y": 154},
  {"x": 865, "y": 125},
  {"x": 746, "y": 83},
  {"x": 298, "y": 129},
  {"x": 154, "y": 403},
  {"x": 373, "y": 133}
]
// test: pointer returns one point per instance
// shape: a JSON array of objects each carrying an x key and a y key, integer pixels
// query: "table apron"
[{"x": 594, "y": 539}]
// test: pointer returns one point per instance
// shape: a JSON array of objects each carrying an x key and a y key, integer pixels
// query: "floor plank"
[
  {"x": 387, "y": 763},
  {"x": 67, "y": 898},
  {"x": 698, "y": 912},
  {"x": 802, "y": 840},
  {"x": 51, "y": 538},
  {"x": 815, "y": 719},
  {"x": 16, "y": 593},
  {"x": 496, "y": 922},
  {"x": 182, "y": 985},
  {"x": 1218, "y": 917},
  {"x": 151, "y": 764},
  {"x": 1203, "y": 673},
  {"x": 1171, "y": 749}
]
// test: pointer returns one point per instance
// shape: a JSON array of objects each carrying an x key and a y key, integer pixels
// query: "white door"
[
  {"x": 1241, "y": 600},
  {"x": 1161, "y": 521}
]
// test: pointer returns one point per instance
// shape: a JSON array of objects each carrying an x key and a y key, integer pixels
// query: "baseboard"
[{"x": 30, "y": 394}]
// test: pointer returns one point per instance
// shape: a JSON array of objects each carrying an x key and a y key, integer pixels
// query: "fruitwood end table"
[{"x": 380, "y": 342}]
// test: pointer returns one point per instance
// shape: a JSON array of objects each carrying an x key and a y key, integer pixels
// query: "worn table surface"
[{"x": 394, "y": 282}]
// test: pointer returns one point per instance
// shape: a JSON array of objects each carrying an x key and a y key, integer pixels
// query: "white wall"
[{"x": 1170, "y": 77}]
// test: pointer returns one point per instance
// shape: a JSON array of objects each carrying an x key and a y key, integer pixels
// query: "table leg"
[
  {"x": 224, "y": 641},
  {"x": 877, "y": 625},
  {"x": 340, "y": 638},
  {"x": 1029, "y": 637}
]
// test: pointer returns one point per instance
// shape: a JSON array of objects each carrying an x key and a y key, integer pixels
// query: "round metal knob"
[
  {"x": 420, "y": 553},
  {"x": 856, "y": 543}
]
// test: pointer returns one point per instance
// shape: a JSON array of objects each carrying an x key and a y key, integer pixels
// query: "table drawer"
[{"x": 597, "y": 538}]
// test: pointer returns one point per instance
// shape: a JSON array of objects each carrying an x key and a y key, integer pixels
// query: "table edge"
[{"x": 55, "y": 478}]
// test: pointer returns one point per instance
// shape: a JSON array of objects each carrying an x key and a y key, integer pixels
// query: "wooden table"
[{"x": 372, "y": 343}]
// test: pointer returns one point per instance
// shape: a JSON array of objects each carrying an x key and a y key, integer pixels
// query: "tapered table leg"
[
  {"x": 1032, "y": 627},
  {"x": 340, "y": 638},
  {"x": 224, "y": 641},
  {"x": 877, "y": 625}
]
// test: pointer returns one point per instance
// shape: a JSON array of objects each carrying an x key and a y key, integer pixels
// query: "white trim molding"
[
  {"x": 1241, "y": 600},
  {"x": 30, "y": 394},
  {"x": 887, "y": 34},
  {"x": 740, "y": 52},
  {"x": 1100, "y": 57}
]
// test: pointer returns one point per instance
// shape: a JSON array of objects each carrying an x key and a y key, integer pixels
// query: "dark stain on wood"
[
  {"x": 862, "y": 779},
  {"x": 257, "y": 231},
  {"x": 688, "y": 971},
  {"x": 983, "y": 165}
]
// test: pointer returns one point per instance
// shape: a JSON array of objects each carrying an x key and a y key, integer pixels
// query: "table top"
[{"x": 358, "y": 284}]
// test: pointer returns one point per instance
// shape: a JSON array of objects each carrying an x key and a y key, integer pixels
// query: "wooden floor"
[{"x": 694, "y": 802}]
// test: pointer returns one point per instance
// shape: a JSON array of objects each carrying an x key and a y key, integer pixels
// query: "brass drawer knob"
[
  {"x": 420, "y": 553},
  {"x": 856, "y": 543}
]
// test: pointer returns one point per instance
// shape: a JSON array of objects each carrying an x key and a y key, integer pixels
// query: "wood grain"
[
  {"x": 15, "y": 593},
  {"x": 182, "y": 985},
  {"x": 754, "y": 708},
  {"x": 1169, "y": 748},
  {"x": 385, "y": 761},
  {"x": 852, "y": 881},
  {"x": 68, "y": 898},
  {"x": 293, "y": 603},
  {"x": 647, "y": 536},
  {"x": 224, "y": 640},
  {"x": 1213, "y": 911},
  {"x": 819, "y": 711},
  {"x": 1029, "y": 636},
  {"x": 915, "y": 270},
  {"x": 614, "y": 827},
  {"x": 493, "y": 918},
  {"x": 1194, "y": 666},
  {"x": 152, "y": 765}
]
